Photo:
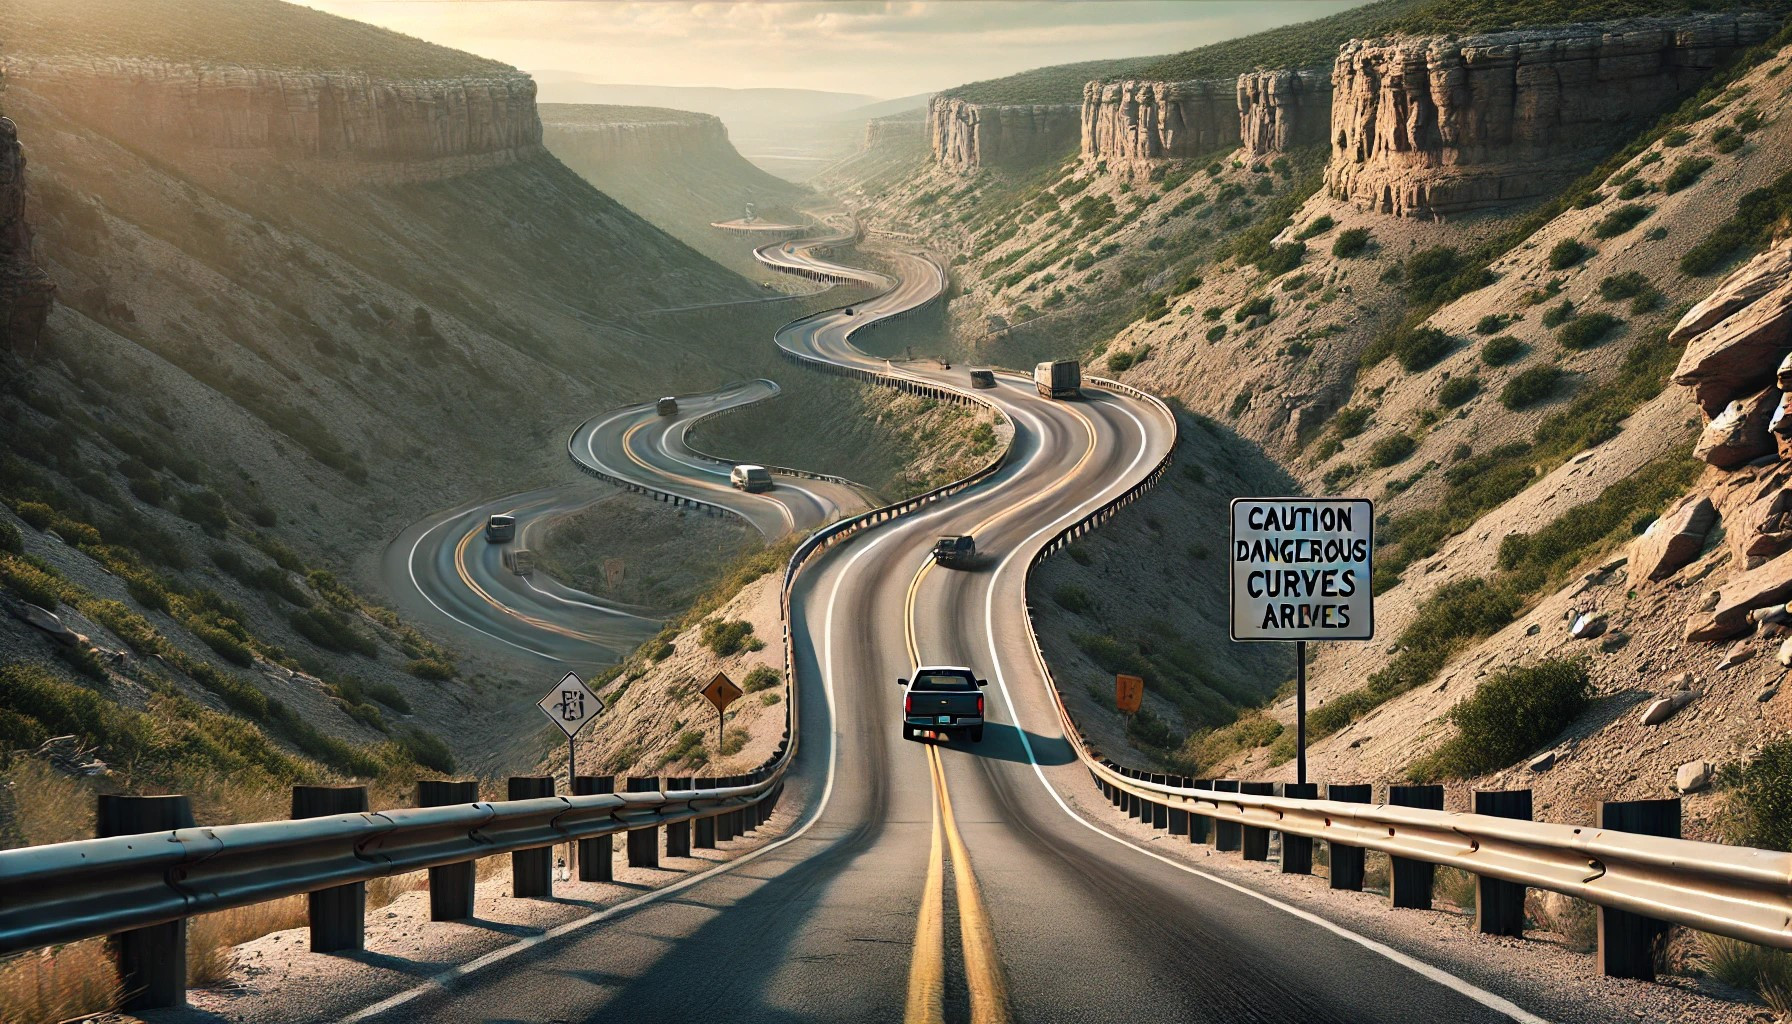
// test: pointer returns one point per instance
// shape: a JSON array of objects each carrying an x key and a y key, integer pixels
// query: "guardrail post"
[
  {"x": 531, "y": 871},
  {"x": 1226, "y": 834},
  {"x": 338, "y": 915},
  {"x": 1200, "y": 826},
  {"x": 595, "y": 853},
  {"x": 1115, "y": 793},
  {"x": 1254, "y": 841},
  {"x": 1346, "y": 860},
  {"x": 152, "y": 962},
  {"x": 1178, "y": 816},
  {"x": 749, "y": 815},
  {"x": 1160, "y": 813},
  {"x": 451, "y": 885},
  {"x": 1297, "y": 851},
  {"x": 678, "y": 833},
  {"x": 1499, "y": 904},
  {"x": 704, "y": 833},
  {"x": 725, "y": 820},
  {"x": 1627, "y": 941},
  {"x": 644, "y": 843},
  {"x": 1409, "y": 881}
]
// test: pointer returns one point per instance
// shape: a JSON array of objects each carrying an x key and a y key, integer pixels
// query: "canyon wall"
[
  {"x": 595, "y": 135},
  {"x": 968, "y": 136},
  {"x": 351, "y": 127},
  {"x": 25, "y": 290},
  {"x": 1281, "y": 110},
  {"x": 1130, "y": 124},
  {"x": 1435, "y": 126}
]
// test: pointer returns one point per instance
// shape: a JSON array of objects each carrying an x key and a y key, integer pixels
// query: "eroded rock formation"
[
  {"x": 598, "y": 135},
  {"x": 25, "y": 290},
  {"x": 1434, "y": 126},
  {"x": 353, "y": 126},
  {"x": 968, "y": 136},
  {"x": 1131, "y": 124},
  {"x": 1280, "y": 110}
]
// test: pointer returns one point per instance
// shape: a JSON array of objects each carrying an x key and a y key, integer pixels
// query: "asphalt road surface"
[{"x": 932, "y": 882}]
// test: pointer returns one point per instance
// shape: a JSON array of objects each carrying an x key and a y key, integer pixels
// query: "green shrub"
[
  {"x": 1621, "y": 220},
  {"x": 1501, "y": 350},
  {"x": 1421, "y": 349},
  {"x": 36, "y": 514},
  {"x": 1758, "y": 798},
  {"x": 1587, "y": 330},
  {"x": 1072, "y": 598},
  {"x": 228, "y": 645},
  {"x": 328, "y": 629},
  {"x": 1440, "y": 274},
  {"x": 1535, "y": 385},
  {"x": 432, "y": 669},
  {"x": 1319, "y": 226},
  {"x": 1750, "y": 227},
  {"x": 1350, "y": 242},
  {"x": 1685, "y": 173},
  {"x": 1676, "y": 138},
  {"x": 1558, "y": 314},
  {"x": 1282, "y": 258},
  {"x": 1215, "y": 333},
  {"x": 427, "y": 749},
  {"x": 1623, "y": 286},
  {"x": 1110, "y": 654},
  {"x": 762, "y": 677},
  {"x": 32, "y": 584},
  {"x": 1458, "y": 390},
  {"x": 1351, "y": 420},
  {"x": 10, "y": 539},
  {"x": 725, "y": 637},
  {"x": 1492, "y": 323},
  {"x": 205, "y": 508},
  {"x": 1510, "y": 715},
  {"x": 1391, "y": 449},
  {"x": 1633, "y": 189},
  {"x": 1259, "y": 306},
  {"x": 1567, "y": 253}
]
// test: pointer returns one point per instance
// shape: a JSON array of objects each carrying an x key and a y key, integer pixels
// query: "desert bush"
[
  {"x": 1511, "y": 714},
  {"x": 63, "y": 983},
  {"x": 1558, "y": 314},
  {"x": 1422, "y": 348},
  {"x": 1111, "y": 654},
  {"x": 33, "y": 584},
  {"x": 1350, "y": 242},
  {"x": 204, "y": 508},
  {"x": 1623, "y": 286},
  {"x": 1072, "y": 598},
  {"x": 1757, "y": 798},
  {"x": 1567, "y": 253},
  {"x": 1501, "y": 350},
  {"x": 1458, "y": 390},
  {"x": 427, "y": 749},
  {"x": 725, "y": 637},
  {"x": 1750, "y": 227},
  {"x": 1351, "y": 420},
  {"x": 1490, "y": 324},
  {"x": 10, "y": 539},
  {"x": 1454, "y": 886},
  {"x": 762, "y": 677},
  {"x": 433, "y": 669},
  {"x": 1319, "y": 226},
  {"x": 1535, "y": 385},
  {"x": 1621, "y": 220},
  {"x": 1587, "y": 330},
  {"x": 1685, "y": 173},
  {"x": 1765, "y": 972},
  {"x": 1440, "y": 274},
  {"x": 326, "y": 628},
  {"x": 1391, "y": 449},
  {"x": 1259, "y": 306}
]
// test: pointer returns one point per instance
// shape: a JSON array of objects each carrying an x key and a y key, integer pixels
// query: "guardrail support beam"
[
  {"x": 152, "y": 962},
  {"x": 451, "y": 885},
  {"x": 1628, "y": 942},
  {"x": 1409, "y": 881},
  {"x": 678, "y": 833},
  {"x": 338, "y": 915},
  {"x": 644, "y": 843},
  {"x": 531, "y": 871},
  {"x": 1297, "y": 851},
  {"x": 1254, "y": 841},
  {"x": 595, "y": 854},
  {"x": 1200, "y": 826},
  {"x": 1227, "y": 835},
  {"x": 1178, "y": 816},
  {"x": 1347, "y": 861},
  {"x": 1160, "y": 813},
  {"x": 1499, "y": 904}
]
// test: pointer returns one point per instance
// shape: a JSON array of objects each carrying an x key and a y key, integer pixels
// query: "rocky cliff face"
[
  {"x": 968, "y": 136},
  {"x": 350, "y": 126},
  {"x": 1280, "y": 110},
  {"x": 1435, "y": 126},
  {"x": 1131, "y": 124},
  {"x": 25, "y": 290},
  {"x": 587, "y": 134}
]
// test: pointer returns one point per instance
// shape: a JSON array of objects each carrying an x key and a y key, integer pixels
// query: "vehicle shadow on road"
[{"x": 1003, "y": 743}]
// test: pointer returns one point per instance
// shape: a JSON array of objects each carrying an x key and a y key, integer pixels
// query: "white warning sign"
[{"x": 1301, "y": 568}]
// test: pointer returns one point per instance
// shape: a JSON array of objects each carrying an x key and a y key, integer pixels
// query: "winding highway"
[{"x": 932, "y": 882}]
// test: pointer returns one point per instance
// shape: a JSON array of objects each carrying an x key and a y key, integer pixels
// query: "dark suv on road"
[{"x": 943, "y": 700}]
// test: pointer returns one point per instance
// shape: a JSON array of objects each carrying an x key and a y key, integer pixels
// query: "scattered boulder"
[
  {"x": 1543, "y": 762},
  {"x": 47, "y": 621},
  {"x": 1673, "y": 540},
  {"x": 1587, "y": 625},
  {"x": 1737, "y": 336},
  {"x": 1663, "y": 708},
  {"x": 1738, "y": 653},
  {"x": 1693, "y": 776},
  {"x": 1739, "y": 434},
  {"x": 1770, "y": 583}
]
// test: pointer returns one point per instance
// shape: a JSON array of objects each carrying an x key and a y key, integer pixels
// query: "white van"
[{"x": 751, "y": 478}]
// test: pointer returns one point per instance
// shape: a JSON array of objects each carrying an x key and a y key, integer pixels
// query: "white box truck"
[{"x": 1058, "y": 379}]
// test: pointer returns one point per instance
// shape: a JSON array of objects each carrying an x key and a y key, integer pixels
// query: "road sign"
[
  {"x": 1129, "y": 693},
  {"x": 721, "y": 691},
  {"x": 612, "y": 574},
  {"x": 571, "y": 704},
  {"x": 1301, "y": 568}
]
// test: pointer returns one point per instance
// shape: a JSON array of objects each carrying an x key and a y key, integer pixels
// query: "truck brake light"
[
  {"x": 979, "y": 705},
  {"x": 908, "y": 703}
]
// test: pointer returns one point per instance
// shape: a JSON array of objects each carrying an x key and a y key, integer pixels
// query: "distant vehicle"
[
  {"x": 955, "y": 551},
  {"x": 1058, "y": 379},
  {"x": 500, "y": 529},
  {"x": 849, "y": 311},
  {"x": 520, "y": 561},
  {"x": 943, "y": 700},
  {"x": 983, "y": 379},
  {"x": 667, "y": 406},
  {"x": 751, "y": 479}
]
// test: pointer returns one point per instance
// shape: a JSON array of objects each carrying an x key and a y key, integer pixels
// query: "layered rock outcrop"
[
  {"x": 1281, "y": 110},
  {"x": 596, "y": 135},
  {"x": 1131, "y": 124},
  {"x": 968, "y": 136},
  {"x": 1435, "y": 126},
  {"x": 344, "y": 125},
  {"x": 25, "y": 290}
]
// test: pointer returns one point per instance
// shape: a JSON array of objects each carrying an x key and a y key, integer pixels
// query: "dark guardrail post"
[
  {"x": 1499, "y": 904},
  {"x": 1627, "y": 941},
  {"x": 1254, "y": 841},
  {"x": 1200, "y": 826},
  {"x": 595, "y": 853},
  {"x": 531, "y": 871},
  {"x": 678, "y": 833},
  {"x": 337, "y": 915},
  {"x": 1227, "y": 835},
  {"x": 1409, "y": 881},
  {"x": 1347, "y": 860},
  {"x": 644, "y": 843},
  {"x": 725, "y": 820},
  {"x": 704, "y": 832},
  {"x": 1178, "y": 816},
  {"x": 451, "y": 885},
  {"x": 737, "y": 824},
  {"x": 1115, "y": 793},
  {"x": 1297, "y": 851},
  {"x": 152, "y": 962},
  {"x": 1160, "y": 813}
]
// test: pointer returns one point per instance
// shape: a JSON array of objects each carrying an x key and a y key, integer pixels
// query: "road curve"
[{"x": 954, "y": 881}]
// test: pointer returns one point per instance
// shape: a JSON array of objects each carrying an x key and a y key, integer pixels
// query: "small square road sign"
[{"x": 571, "y": 704}]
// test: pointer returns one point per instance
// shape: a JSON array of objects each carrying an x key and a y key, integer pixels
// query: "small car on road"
[
  {"x": 983, "y": 379},
  {"x": 955, "y": 551},
  {"x": 667, "y": 406},
  {"x": 751, "y": 479},
  {"x": 946, "y": 700},
  {"x": 500, "y": 529}
]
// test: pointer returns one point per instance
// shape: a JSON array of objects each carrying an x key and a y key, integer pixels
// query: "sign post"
[
  {"x": 721, "y": 692},
  {"x": 571, "y": 705},
  {"x": 1301, "y": 570}
]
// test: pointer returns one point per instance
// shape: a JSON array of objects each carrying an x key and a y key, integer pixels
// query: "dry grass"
[
  {"x": 1576, "y": 921},
  {"x": 1454, "y": 886},
  {"x": 382, "y": 891},
  {"x": 211, "y": 937},
  {"x": 39, "y": 805},
  {"x": 57, "y": 984},
  {"x": 1377, "y": 872},
  {"x": 1765, "y": 972}
]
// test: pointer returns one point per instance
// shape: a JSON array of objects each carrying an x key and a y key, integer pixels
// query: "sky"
[{"x": 884, "y": 50}]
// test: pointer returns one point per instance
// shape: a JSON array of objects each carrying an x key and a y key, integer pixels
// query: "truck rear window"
[{"x": 935, "y": 682}]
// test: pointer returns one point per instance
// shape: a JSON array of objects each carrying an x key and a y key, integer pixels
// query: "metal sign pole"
[
  {"x": 1300, "y": 711},
  {"x": 572, "y": 786}
]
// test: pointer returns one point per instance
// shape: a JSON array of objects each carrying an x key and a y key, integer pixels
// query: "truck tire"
[{"x": 976, "y": 734}]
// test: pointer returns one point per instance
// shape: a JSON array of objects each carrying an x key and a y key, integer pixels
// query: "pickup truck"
[
  {"x": 955, "y": 551},
  {"x": 942, "y": 700}
]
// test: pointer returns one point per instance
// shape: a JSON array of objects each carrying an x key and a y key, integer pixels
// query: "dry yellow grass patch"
[{"x": 57, "y": 984}]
